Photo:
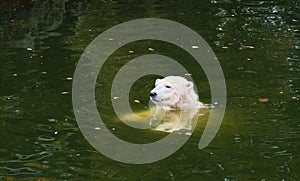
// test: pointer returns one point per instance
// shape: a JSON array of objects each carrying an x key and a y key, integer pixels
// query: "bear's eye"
[{"x": 167, "y": 86}]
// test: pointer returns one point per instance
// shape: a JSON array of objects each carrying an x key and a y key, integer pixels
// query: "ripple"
[
  {"x": 29, "y": 157},
  {"x": 45, "y": 138},
  {"x": 8, "y": 171}
]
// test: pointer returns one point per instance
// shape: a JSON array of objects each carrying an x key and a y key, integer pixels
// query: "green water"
[{"x": 256, "y": 42}]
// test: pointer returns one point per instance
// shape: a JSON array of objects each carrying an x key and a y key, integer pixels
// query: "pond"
[{"x": 256, "y": 42}]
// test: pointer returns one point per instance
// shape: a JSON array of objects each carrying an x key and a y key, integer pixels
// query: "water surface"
[{"x": 256, "y": 42}]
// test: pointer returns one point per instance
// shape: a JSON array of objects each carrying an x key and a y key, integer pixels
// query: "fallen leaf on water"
[
  {"x": 137, "y": 101},
  {"x": 264, "y": 99},
  {"x": 36, "y": 165},
  {"x": 65, "y": 93},
  {"x": 250, "y": 72}
]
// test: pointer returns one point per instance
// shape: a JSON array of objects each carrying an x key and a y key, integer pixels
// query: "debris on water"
[
  {"x": 65, "y": 93},
  {"x": 137, "y": 101},
  {"x": 36, "y": 165},
  {"x": 263, "y": 100},
  {"x": 250, "y": 72},
  {"x": 249, "y": 46}
]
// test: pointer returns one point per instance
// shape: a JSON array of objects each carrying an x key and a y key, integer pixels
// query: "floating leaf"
[
  {"x": 137, "y": 101},
  {"x": 65, "y": 93},
  {"x": 264, "y": 99},
  {"x": 36, "y": 165}
]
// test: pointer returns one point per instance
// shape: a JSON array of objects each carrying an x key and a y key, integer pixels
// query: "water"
[{"x": 256, "y": 42}]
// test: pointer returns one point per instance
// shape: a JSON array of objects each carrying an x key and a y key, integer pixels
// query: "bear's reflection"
[{"x": 174, "y": 120}]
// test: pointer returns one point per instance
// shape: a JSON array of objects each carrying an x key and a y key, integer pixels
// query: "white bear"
[{"x": 174, "y": 92}]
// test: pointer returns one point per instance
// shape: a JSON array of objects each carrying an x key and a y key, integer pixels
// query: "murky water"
[{"x": 256, "y": 42}]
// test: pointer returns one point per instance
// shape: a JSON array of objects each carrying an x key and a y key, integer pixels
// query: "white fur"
[{"x": 174, "y": 92}]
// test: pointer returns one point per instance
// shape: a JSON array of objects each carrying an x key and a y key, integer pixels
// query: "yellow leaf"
[
  {"x": 36, "y": 165},
  {"x": 137, "y": 101}
]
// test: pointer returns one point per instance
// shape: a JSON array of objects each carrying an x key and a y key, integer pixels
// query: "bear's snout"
[{"x": 152, "y": 94}]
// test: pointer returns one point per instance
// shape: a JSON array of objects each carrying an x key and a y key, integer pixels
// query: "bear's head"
[{"x": 171, "y": 92}]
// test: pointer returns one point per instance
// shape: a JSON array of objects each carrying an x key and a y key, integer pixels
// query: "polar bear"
[{"x": 174, "y": 92}]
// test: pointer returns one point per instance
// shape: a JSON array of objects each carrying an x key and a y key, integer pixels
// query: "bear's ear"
[
  {"x": 190, "y": 85},
  {"x": 157, "y": 81}
]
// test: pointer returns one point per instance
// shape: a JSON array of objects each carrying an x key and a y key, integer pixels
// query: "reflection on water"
[{"x": 256, "y": 42}]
